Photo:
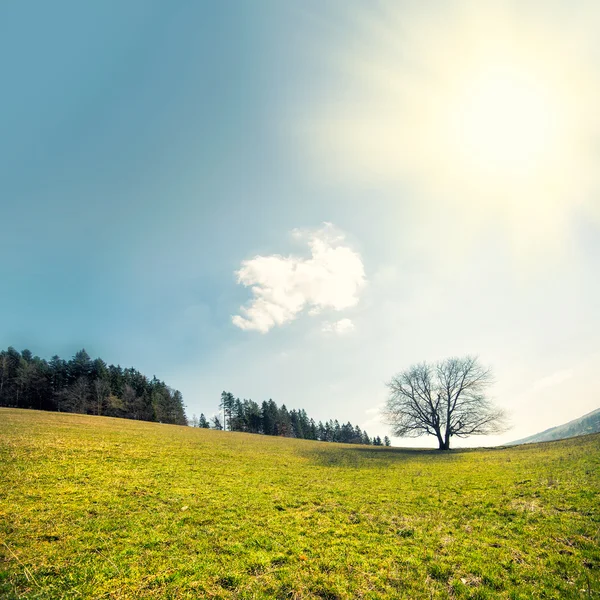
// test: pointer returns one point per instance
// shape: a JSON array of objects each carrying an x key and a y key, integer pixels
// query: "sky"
[{"x": 297, "y": 201}]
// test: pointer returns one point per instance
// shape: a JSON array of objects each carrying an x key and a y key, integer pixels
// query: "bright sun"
[
  {"x": 488, "y": 110},
  {"x": 505, "y": 121}
]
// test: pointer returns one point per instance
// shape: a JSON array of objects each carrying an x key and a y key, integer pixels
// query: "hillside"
[
  {"x": 96, "y": 507},
  {"x": 589, "y": 423},
  {"x": 86, "y": 386}
]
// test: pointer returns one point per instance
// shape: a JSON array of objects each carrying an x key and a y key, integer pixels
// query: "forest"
[
  {"x": 83, "y": 385},
  {"x": 90, "y": 386},
  {"x": 270, "y": 419}
]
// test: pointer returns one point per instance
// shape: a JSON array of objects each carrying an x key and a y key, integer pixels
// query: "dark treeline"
[
  {"x": 90, "y": 386},
  {"x": 83, "y": 385},
  {"x": 270, "y": 419}
]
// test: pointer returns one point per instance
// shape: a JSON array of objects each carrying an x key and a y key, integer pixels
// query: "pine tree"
[
  {"x": 297, "y": 430},
  {"x": 357, "y": 435},
  {"x": 226, "y": 405},
  {"x": 284, "y": 422},
  {"x": 270, "y": 414},
  {"x": 86, "y": 386},
  {"x": 80, "y": 366},
  {"x": 238, "y": 416},
  {"x": 253, "y": 417}
]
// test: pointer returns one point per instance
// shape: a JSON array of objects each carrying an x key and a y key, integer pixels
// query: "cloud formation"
[{"x": 284, "y": 286}]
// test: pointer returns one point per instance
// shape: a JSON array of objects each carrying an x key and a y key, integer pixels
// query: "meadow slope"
[{"x": 94, "y": 507}]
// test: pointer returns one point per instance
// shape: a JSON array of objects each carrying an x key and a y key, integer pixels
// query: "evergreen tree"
[
  {"x": 58, "y": 374},
  {"x": 270, "y": 414},
  {"x": 322, "y": 432},
  {"x": 297, "y": 430},
  {"x": 269, "y": 419},
  {"x": 86, "y": 386},
  {"x": 226, "y": 405},
  {"x": 80, "y": 366},
  {"x": 357, "y": 435},
  {"x": 346, "y": 433},
  {"x": 253, "y": 417},
  {"x": 284, "y": 422},
  {"x": 337, "y": 431},
  {"x": 238, "y": 416}
]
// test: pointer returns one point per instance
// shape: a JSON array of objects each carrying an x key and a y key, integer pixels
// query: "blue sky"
[{"x": 391, "y": 199}]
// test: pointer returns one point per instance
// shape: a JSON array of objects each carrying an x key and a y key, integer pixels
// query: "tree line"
[
  {"x": 83, "y": 385},
  {"x": 269, "y": 419},
  {"x": 91, "y": 386}
]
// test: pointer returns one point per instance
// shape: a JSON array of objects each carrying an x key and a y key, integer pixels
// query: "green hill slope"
[
  {"x": 587, "y": 424},
  {"x": 93, "y": 507}
]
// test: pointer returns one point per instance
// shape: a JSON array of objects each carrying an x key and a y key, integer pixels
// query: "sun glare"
[
  {"x": 492, "y": 112},
  {"x": 505, "y": 122}
]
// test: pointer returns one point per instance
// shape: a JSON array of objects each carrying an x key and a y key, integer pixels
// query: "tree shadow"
[{"x": 356, "y": 456}]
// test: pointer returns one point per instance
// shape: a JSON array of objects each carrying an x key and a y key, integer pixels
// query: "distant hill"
[{"x": 589, "y": 423}]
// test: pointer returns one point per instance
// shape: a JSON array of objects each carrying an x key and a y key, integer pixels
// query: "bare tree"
[
  {"x": 444, "y": 400},
  {"x": 76, "y": 398}
]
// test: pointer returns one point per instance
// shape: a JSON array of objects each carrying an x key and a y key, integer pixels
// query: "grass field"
[{"x": 92, "y": 507}]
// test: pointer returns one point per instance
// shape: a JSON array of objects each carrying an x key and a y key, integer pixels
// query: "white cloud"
[
  {"x": 283, "y": 286},
  {"x": 340, "y": 327}
]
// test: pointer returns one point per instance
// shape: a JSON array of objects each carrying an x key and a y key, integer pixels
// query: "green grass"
[{"x": 93, "y": 507}]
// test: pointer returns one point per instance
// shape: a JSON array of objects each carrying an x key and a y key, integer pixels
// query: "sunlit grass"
[{"x": 93, "y": 507}]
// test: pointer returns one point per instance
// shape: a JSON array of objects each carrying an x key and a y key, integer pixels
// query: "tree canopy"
[
  {"x": 444, "y": 400},
  {"x": 270, "y": 419},
  {"x": 86, "y": 385},
  {"x": 91, "y": 386}
]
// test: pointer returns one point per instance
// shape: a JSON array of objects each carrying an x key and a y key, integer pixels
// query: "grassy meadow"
[{"x": 94, "y": 507}]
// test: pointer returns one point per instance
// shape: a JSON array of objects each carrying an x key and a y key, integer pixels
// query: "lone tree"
[{"x": 447, "y": 399}]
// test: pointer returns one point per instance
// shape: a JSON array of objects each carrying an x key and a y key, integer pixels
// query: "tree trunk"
[
  {"x": 446, "y": 441},
  {"x": 440, "y": 440}
]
